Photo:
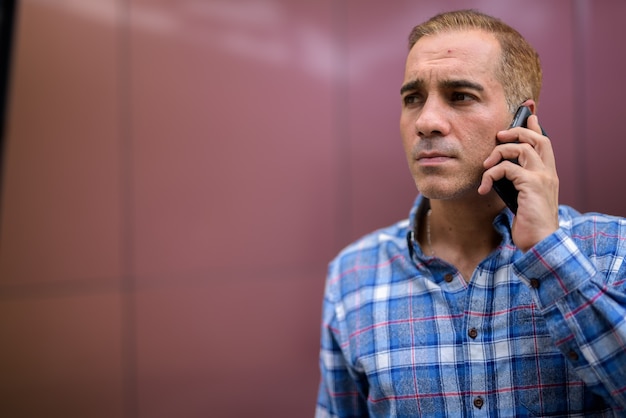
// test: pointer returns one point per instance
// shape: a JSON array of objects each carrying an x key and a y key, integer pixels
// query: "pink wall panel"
[
  {"x": 599, "y": 97},
  {"x": 60, "y": 247},
  {"x": 231, "y": 136},
  {"x": 180, "y": 172},
  {"x": 61, "y": 355},
  {"x": 62, "y": 210},
  {"x": 234, "y": 172},
  {"x": 229, "y": 349}
]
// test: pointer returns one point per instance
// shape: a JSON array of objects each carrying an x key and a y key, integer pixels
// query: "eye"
[
  {"x": 459, "y": 96},
  {"x": 411, "y": 99}
]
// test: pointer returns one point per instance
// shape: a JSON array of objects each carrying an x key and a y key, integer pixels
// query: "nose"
[{"x": 431, "y": 120}]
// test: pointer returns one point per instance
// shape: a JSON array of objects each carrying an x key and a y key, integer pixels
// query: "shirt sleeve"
[
  {"x": 340, "y": 394},
  {"x": 582, "y": 297}
]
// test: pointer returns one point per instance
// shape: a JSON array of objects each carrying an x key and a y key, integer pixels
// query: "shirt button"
[
  {"x": 572, "y": 355},
  {"x": 473, "y": 333},
  {"x": 448, "y": 277},
  {"x": 478, "y": 402},
  {"x": 534, "y": 283}
]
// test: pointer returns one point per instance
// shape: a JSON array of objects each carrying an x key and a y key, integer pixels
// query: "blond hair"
[{"x": 519, "y": 70}]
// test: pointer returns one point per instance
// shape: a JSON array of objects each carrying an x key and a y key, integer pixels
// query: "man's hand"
[{"x": 535, "y": 178}]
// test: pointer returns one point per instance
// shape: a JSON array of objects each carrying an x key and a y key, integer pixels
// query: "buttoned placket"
[{"x": 475, "y": 351}]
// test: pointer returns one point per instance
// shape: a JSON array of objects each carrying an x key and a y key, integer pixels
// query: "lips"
[{"x": 432, "y": 157}]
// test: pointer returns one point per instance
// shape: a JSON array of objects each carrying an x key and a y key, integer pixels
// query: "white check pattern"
[{"x": 400, "y": 339}]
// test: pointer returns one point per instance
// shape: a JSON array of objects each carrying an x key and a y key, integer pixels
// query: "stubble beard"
[{"x": 434, "y": 186}]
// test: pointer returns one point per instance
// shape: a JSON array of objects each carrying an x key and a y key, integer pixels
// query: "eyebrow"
[
  {"x": 411, "y": 86},
  {"x": 446, "y": 84}
]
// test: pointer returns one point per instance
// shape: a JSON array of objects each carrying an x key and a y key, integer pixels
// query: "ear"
[{"x": 531, "y": 105}]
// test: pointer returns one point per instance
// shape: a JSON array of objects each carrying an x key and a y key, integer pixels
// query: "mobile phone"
[{"x": 504, "y": 187}]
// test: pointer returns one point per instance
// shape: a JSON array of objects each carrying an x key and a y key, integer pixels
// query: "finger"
[
  {"x": 542, "y": 144},
  {"x": 519, "y": 134},
  {"x": 533, "y": 124},
  {"x": 522, "y": 134},
  {"x": 524, "y": 153},
  {"x": 506, "y": 168},
  {"x": 532, "y": 136}
]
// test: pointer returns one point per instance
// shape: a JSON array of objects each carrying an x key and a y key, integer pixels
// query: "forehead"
[{"x": 473, "y": 54}]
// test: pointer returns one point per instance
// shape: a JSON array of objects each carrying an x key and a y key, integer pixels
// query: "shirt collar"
[{"x": 502, "y": 223}]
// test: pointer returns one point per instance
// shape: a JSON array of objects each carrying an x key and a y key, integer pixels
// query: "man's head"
[
  {"x": 519, "y": 70},
  {"x": 464, "y": 78}
]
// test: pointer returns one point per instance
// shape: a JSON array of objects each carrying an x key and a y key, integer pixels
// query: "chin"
[
  {"x": 435, "y": 193},
  {"x": 443, "y": 192}
]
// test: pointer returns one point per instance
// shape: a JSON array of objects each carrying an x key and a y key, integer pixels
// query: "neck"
[{"x": 461, "y": 234}]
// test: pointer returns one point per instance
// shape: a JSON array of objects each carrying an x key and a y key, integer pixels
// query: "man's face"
[{"x": 452, "y": 108}]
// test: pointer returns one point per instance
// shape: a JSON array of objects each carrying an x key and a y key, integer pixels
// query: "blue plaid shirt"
[{"x": 535, "y": 334}]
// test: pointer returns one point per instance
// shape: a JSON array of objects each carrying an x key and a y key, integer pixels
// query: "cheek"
[
  {"x": 407, "y": 136},
  {"x": 406, "y": 126},
  {"x": 482, "y": 144},
  {"x": 480, "y": 153},
  {"x": 483, "y": 147}
]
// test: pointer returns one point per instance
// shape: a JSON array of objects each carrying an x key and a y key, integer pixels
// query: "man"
[{"x": 467, "y": 309}]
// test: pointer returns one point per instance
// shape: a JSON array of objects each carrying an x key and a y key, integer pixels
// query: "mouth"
[{"x": 432, "y": 158}]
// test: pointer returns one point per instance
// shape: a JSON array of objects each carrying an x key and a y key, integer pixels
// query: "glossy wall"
[{"x": 178, "y": 173}]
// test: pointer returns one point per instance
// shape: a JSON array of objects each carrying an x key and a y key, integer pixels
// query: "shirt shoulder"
[
  {"x": 382, "y": 255},
  {"x": 395, "y": 234}
]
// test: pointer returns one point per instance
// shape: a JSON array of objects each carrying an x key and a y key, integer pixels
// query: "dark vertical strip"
[
  {"x": 580, "y": 37},
  {"x": 8, "y": 16},
  {"x": 130, "y": 393},
  {"x": 341, "y": 123}
]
